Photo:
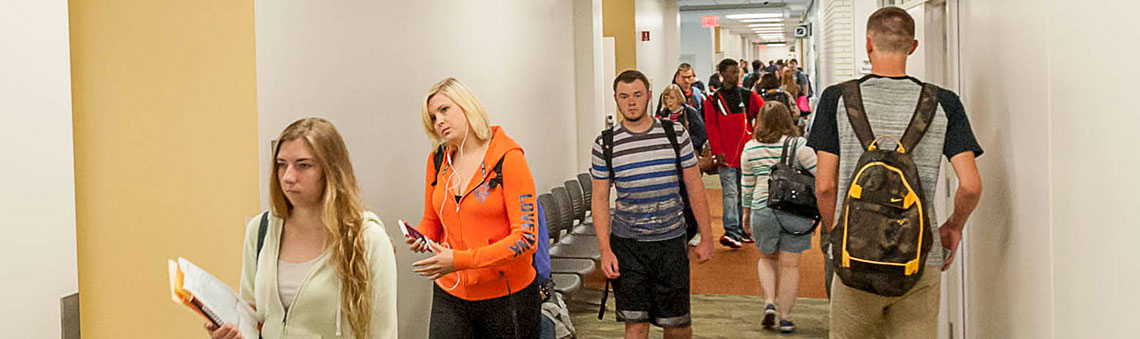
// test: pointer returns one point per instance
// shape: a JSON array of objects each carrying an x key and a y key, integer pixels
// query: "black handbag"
[{"x": 791, "y": 188}]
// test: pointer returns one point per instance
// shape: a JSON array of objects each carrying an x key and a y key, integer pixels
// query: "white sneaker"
[{"x": 695, "y": 241}]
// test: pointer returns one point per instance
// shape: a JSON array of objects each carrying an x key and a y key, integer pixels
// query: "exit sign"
[{"x": 709, "y": 21}]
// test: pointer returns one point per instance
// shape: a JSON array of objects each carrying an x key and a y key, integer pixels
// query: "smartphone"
[{"x": 411, "y": 232}]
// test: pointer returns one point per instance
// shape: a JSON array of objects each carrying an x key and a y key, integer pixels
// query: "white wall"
[
  {"x": 366, "y": 65},
  {"x": 1010, "y": 287},
  {"x": 38, "y": 194},
  {"x": 657, "y": 58},
  {"x": 1052, "y": 252},
  {"x": 1095, "y": 267},
  {"x": 769, "y": 53},
  {"x": 697, "y": 42},
  {"x": 730, "y": 43},
  {"x": 589, "y": 76}
]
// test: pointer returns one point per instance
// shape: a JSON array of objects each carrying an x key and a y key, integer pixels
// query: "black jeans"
[{"x": 513, "y": 316}]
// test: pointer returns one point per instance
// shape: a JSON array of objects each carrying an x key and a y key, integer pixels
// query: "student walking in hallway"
[
  {"x": 887, "y": 196},
  {"x": 317, "y": 264},
  {"x": 479, "y": 212},
  {"x": 775, "y": 137},
  {"x": 727, "y": 115},
  {"x": 643, "y": 249}
]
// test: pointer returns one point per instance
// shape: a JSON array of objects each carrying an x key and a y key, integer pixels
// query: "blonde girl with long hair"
[{"x": 325, "y": 268}]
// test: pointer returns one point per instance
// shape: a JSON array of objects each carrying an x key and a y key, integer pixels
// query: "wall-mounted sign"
[
  {"x": 709, "y": 21},
  {"x": 803, "y": 31},
  {"x": 644, "y": 35}
]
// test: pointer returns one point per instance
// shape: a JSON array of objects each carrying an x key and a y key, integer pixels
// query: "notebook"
[{"x": 210, "y": 297}]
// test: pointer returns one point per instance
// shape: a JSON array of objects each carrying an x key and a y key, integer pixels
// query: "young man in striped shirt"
[{"x": 645, "y": 254}]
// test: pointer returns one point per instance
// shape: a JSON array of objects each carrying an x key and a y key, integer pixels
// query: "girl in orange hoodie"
[{"x": 479, "y": 210}]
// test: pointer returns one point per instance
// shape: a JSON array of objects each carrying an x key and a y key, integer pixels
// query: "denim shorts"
[{"x": 770, "y": 237}]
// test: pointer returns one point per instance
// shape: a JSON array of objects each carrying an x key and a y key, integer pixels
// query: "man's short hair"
[
  {"x": 756, "y": 64},
  {"x": 629, "y": 76},
  {"x": 793, "y": 61},
  {"x": 891, "y": 30},
  {"x": 725, "y": 64}
]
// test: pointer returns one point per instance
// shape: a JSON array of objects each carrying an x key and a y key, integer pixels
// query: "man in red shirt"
[{"x": 728, "y": 115}]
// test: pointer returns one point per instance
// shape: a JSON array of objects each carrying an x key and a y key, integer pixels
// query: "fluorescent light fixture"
[
  {"x": 777, "y": 45},
  {"x": 754, "y": 16},
  {"x": 748, "y": 21},
  {"x": 768, "y": 30},
  {"x": 766, "y": 25}
]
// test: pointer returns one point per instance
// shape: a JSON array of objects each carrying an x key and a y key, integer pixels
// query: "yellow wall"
[
  {"x": 618, "y": 22},
  {"x": 165, "y": 119}
]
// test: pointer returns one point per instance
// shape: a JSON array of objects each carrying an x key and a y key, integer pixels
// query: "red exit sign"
[{"x": 709, "y": 21}]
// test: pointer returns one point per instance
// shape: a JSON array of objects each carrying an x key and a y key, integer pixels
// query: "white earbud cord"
[{"x": 447, "y": 185}]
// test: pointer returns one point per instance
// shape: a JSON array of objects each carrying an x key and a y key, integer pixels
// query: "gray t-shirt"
[
  {"x": 649, "y": 206},
  {"x": 889, "y": 103}
]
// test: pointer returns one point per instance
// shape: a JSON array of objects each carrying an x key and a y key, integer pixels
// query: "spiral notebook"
[{"x": 206, "y": 295}]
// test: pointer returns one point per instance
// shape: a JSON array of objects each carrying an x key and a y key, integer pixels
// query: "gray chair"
[
  {"x": 576, "y": 266},
  {"x": 566, "y": 283},
  {"x": 577, "y": 201},
  {"x": 587, "y": 183},
  {"x": 571, "y": 245}
]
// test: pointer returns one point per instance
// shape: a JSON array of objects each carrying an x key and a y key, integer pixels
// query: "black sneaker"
[
  {"x": 769, "y": 316},
  {"x": 787, "y": 326},
  {"x": 747, "y": 239}
]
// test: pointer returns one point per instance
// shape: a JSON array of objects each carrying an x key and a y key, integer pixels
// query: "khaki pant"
[{"x": 856, "y": 314}]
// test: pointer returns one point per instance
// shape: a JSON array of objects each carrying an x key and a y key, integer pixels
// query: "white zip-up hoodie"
[{"x": 315, "y": 311}]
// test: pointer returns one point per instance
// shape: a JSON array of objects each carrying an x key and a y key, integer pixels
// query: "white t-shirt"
[{"x": 290, "y": 276}]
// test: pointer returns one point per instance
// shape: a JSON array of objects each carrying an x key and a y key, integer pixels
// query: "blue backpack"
[{"x": 542, "y": 250}]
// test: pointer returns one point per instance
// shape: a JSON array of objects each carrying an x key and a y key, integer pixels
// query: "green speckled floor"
[{"x": 714, "y": 316}]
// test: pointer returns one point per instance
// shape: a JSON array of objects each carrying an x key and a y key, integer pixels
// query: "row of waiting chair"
[{"x": 574, "y": 244}]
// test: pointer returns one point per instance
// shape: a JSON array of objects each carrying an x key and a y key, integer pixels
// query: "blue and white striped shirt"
[{"x": 649, "y": 206}]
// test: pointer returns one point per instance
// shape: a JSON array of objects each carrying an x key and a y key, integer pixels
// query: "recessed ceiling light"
[
  {"x": 745, "y": 21},
  {"x": 754, "y": 16}
]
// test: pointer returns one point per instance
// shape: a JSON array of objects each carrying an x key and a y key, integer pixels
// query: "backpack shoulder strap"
[
  {"x": 608, "y": 150},
  {"x": 853, "y": 101},
  {"x": 261, "y": 230},
  {"x": 498, "y": 170},
  {"x": 671, "y": 134},
  {"x": 923, "y": 116},
  {"x": 437, "y": 161}
]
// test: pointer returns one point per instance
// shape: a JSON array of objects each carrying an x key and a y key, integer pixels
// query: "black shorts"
[{"x": 654, "y": 282}]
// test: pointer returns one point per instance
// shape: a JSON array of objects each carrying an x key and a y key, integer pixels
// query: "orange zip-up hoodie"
[{"x": 492, "y": 229}]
